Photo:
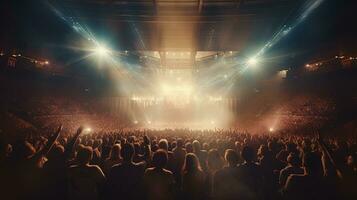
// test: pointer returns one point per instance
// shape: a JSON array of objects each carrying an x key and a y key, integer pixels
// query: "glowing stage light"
[
  {"x": 135, "y": 122},
  {"x": 252, "y": 61},
  {"x": 271, "y": 129},
  {"x": 170, "y": 90},
  {"x": 87, "y": 130},
  {"x": 47, "y": 62},
  {"x": 213, "y": 122},
  {"x": 149, "y": 122},
  {"x": 102, "y": 51}
]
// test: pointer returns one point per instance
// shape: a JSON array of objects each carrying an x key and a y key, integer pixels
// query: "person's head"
[
  {"x": 163, "y": 144},
  {"x": 146, "y": 140},
  {"x": 351, "y": 160},
  {"x": 312, "y": 164},
  {"x": 231, "y": 157},
  {"x": 56, "y": 152},
  {"x": 97, "y": 143},
  {"x": 85, "y": 155},
  {"x": 272, "y": 146},
  {"x": 189, "y": 147},
  {"x": 115, "y": 151},
  {"x": 5, "y": 149},
  {"x": 154, "y": 147},
  {"x": 196, "y": 146},
  {"x": 248, "y": 154},
  {"x": 179, "y": 143},
  {"x": 290, "y": 147},
  {"x": 191, "y": 163},
  {"x": 263, "y": 150},
  {"x": 306, "y": 145},
  {"x": 127, "y": 152},
  {"x": 137, "y": 148},
  {"x": 214, "y": 160},
  {"x": 23, "y": 150},
  {"x": 160, "y": 158},
  {"x": 173, "y": 145},
  {"x": 205, "y": 146},
  {"x": 293, "y": 159}
]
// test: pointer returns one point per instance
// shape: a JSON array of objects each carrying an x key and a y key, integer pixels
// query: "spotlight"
[
  {"x": 135, "y": 122},
  {"x": 253, "y": 61},
  {"x": 47, "y": 62},
  {"x": 87, "y": 130},
  {"x": 149, "y": 122},
  {"x": 271, "y": 129},
  {"x": 101, "y": 51}
]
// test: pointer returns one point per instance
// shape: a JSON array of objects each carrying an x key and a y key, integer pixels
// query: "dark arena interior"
[{"x": 178, "y": 99}]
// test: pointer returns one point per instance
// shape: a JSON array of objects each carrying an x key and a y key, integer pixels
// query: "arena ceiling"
[
  {"x": 46, "y": 28},
  {"x": 161, "y": 25}
]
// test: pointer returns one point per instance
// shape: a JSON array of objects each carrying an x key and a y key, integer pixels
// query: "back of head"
[
  {"x": 312, "y": 163},
  {"x": 231, "y": 157},
  {"x": 97, "y": 143},
  {"x": 248, "y": 154},
  {"x": 127, "y": 152},
  {"x": 146, "y": 140},
  {"x": 23, "y": 150},
  {"x": 163, "y": 144},
  {"x": 115, "y": 151},
  {"x": 56, "y": 152},
  {"x": 191, "y": 163},
  {"x": 214, "y": 160},
  {"x": 179, "y": 143},
  {"x": 205, "y": 146},
  {"x": 196, "y": 146},
  {"x": 293, "y": 159},
  {"x": 160, "y": 158},
  {"x": 189, "y": 147},
  {"x": 84, "y": 155},
  {"x": 263, "y": 150},
  {"x": 291, "y": 147}
]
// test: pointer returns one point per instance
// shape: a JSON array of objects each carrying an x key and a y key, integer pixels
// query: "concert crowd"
[{"x": 177, "y": 164}]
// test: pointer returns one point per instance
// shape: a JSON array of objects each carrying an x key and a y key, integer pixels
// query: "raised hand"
[{"x": 71, "y": 143}]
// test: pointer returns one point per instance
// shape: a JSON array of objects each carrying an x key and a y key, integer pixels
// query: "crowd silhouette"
[{"x": 177, "y": 164}]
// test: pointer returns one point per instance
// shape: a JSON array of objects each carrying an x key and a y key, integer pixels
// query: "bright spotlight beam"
[
  {"x": 308, "y": 7},
  {"x": 102, "y": 51},
  {"x": 252, "y": 61}
]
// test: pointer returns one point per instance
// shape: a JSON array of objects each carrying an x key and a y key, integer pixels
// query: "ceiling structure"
[{"x": 185, "y": 25}]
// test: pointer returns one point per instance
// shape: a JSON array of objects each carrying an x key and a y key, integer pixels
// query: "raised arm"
[
  {"x": 72, "y": 142},
  {"x": 328, "y": 153},
  {"x": 37, "y": 157},
  {"x": 51, "y": 140}
]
